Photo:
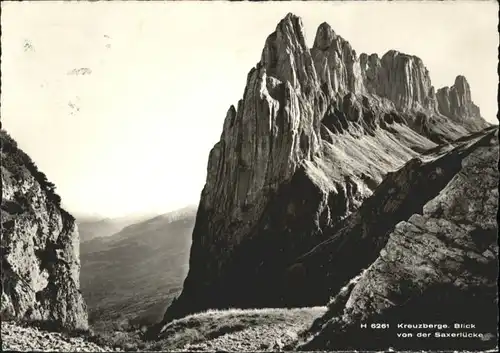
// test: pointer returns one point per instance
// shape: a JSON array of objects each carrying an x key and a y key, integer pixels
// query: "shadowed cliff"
[
  {"x": 430, "y": 252},
  {"x": 39, "y": 247}
]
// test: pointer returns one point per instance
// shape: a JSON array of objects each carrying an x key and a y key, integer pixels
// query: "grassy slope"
[
  {"x": 235, "y": 329},
  {"x": 355, "y": 155},
  {"x": 219, "y": 330}
]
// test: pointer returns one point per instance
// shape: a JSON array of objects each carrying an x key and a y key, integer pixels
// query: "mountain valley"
[{"x": 129, "y": 278}]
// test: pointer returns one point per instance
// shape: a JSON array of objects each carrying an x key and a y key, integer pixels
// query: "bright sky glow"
[{"x": 133, "y": 135}]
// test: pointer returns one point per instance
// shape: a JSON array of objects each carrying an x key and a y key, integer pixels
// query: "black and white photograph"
[{"x": 249, "y": 176}]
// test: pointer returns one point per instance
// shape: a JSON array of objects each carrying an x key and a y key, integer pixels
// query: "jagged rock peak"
[
  {"x": 394, "y": 53},
  {"x": 399, "y": 77},
  {"x": 326, "y": 38},
  {"x": 275, "y": 126},
  {"x": 325, "y": 35},
  {"x": 456, "y": 102},
  {"x": 333, "y": 65},
  {"x": 286, "y": 56},
  {"x": 403, "y": 79},
  {"x": 285, "y": 171},
  {"x": 289, "y": 33},
  {"x": 461, "y": 82},
  {"x": 336, "y": 63}
]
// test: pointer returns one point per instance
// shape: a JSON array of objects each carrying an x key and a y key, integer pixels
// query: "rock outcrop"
[
  {"x": 455, "y": 102},
  {"x": 39, "y": 247},
  {"x": 439, "y": 265},
  {"x": 336, "y": 63},
  {"x": 17, "y": 338},
  {"x": 401, "y": 78},
  {"x": 331, "y": 264},
  {"x": 313, "y": 136}
]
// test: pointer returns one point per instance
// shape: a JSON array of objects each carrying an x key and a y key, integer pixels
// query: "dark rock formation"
[
  {"x": 329, "y": 265},
  {"x": 39, "y": 247},
  {"x": 313, "y": 136},
  {"x": 439, "y": 265}
]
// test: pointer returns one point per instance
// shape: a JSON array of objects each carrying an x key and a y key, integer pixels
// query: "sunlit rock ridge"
[{"x": 315, "y": 133}]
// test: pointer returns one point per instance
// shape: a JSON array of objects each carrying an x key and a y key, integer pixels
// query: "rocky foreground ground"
[
  {"x": 17, "y": 337},
  {"x": 231, "y": 330}
]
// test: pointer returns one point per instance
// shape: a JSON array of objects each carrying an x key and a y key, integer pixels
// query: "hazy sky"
[{"x": 133, "y": 133}]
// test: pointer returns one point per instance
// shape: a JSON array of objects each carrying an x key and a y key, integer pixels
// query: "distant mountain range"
[
  {"x": 132, "y": 275},
  {"x": 91, "y": 227}
]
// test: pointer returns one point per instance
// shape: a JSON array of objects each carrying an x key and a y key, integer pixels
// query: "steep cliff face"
[
  {"x": 401, "y": 78},
  {"x": 39, "y": 246},
  {"x": 336, "y": 62},
  {"x": 330, "y": 265},
  {"x": 455, "y": 102},
  {"x": 439, "y": 265},
  {"x": 275, "y": 127},
  {"x": 405, "y": 81},
  {"x": 313, "y": 136},
  {"x": 263, "y": 142}
]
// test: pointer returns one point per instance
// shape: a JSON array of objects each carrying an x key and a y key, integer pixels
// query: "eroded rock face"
[
  {"x": 330, "y": 264},
  {"x": 456, "y": 103},
  {"x": 336, "y": 62},
  {"x": 40, "y": 247},
  {"x": 439, "y": 265},
  {"x": 313, "y": 136},
  {"x": 402, "y": 78},
  {"x": 263, "y": 142}
]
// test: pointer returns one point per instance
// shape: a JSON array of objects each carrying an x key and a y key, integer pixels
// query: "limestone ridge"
[
  {"x": 314, "y": 134},
  {"x": 263, "y": 143},
  {"x": 443, "y": 254},
  {"x": 39, "y": 247},
  {"x": 401, "y": 78},
  {"x": 275, "y": 127},
  {"x": 364, "y": 233},
  {"x": 456, "y": 103}
]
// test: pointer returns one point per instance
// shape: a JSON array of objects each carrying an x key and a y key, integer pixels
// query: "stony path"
[{"x": 20, "y": 338}]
